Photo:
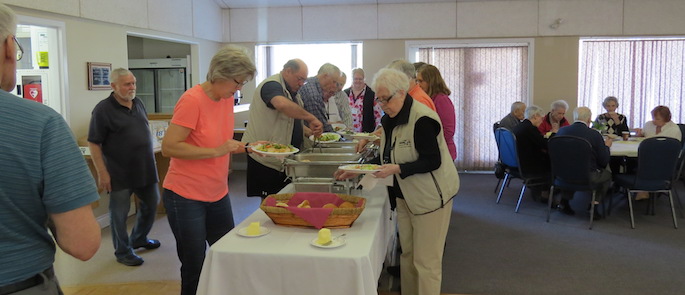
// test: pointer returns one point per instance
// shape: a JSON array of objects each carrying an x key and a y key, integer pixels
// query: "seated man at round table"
[{"x": 599, "y": 174}]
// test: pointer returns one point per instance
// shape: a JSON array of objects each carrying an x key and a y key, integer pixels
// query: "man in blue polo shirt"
[
  {"x": 121, "y": 148},
  {"x": 43, "y": 177}
]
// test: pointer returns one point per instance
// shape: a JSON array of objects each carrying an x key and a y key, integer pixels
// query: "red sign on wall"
[{"x": 33, "y": 92}]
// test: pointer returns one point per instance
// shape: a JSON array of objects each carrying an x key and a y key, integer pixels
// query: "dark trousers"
[
  {"x": 263, "y": 181},
  {"x": 119, "y": 205},
  {"x": 194, "y": 224}
]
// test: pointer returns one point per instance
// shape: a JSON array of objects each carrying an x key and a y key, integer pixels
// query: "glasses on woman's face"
[
  {"x": 20, "y": 50},
  {"x": 241, "y": 84},
  {"x": 385, "y": 100}
]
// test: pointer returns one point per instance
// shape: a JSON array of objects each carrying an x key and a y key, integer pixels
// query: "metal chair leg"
[
  {"x": 630, "y": 205},
  {"x": 670, "y": 198},
  {"x": 592, "y": 207},
  {"x": 550, "y": 200},
  {"x": 518, "y": 204},
  {"x": 680, "y": 204},
  {"x": 501, "y": 189},
  {"x": 499, "y": 180}
]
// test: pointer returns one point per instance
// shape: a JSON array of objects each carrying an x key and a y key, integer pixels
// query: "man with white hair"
[
  {"x": 316, "y": 88},
  {"x": 514, "y": 117},
  {"x": 44, "y": 182},
  {"x": 599, "y": 174},
  {"x": 554, "y": 119},
  {"x": 121, "y": 148}
]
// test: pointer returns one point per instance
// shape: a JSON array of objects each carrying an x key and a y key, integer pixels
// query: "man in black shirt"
[{"x": 121, "y": 148}]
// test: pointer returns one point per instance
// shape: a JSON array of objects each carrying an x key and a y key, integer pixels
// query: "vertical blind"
[
  {"x": 484, "y": 81},
  {"x": 642, "y": 74}
]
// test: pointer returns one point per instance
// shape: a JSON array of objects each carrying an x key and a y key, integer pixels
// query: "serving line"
[{"x": 284, "y": 262}]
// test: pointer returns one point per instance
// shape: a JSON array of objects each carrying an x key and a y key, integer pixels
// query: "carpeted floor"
[
  {"x": 492, "y": 250},
  {"x": 489, "y": 250}
]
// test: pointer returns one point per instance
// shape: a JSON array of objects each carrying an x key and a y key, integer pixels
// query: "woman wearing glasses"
[
  {"x": 199, "y": 140},
  {"x": 414, "y": 153},
  {"x": 430, "y": 80}
]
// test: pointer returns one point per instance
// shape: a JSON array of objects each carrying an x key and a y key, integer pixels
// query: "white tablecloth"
[
  {"x": 284, "y": 262},
  {"x": 625, "y": 148}
]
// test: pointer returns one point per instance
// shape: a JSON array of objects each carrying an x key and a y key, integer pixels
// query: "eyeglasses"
[
  {"x": 385, "y": 100},
  {"x": 240, "y": 83},
  {"x": 20, "y": 50}
]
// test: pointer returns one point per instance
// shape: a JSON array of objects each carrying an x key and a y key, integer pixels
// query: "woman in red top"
[{"x": 199, "y": 140}]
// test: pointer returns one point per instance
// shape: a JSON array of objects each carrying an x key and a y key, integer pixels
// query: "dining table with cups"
[{"x": 289, "y": 260}]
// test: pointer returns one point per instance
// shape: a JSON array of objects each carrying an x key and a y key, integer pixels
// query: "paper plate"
[
  {"x": 335, "y": 243},
  {"x": 361, "y": 168},
  {"x": 292, "y": 151},
  {"x": 262, "y": 231},
  {"x": 332, "y": 135}
]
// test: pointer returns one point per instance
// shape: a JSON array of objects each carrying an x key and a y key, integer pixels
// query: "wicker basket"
[{"x": 339, "y": 218}]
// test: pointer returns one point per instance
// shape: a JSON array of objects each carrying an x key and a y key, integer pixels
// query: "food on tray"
[
  {"x": 253, "y": 229},
  {"x": 330, "y": 205},
  {"x": 347, "y": 204},
  {"x": 327, "y": 137},
  {"x": 338, "y": 128},
  {"x": 324, "y": 236},
  {"x": 281, "y": 204},
  {"x": 275, "y": 148},
  {"x": 304, "y": 204}
]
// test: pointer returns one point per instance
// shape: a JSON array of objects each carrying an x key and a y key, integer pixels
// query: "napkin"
[
  {"x": 369, "y": 181},
  {"x": 316, "y": 216}
]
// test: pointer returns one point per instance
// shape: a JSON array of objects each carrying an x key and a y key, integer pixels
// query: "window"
[
  {"x": 641, "y": 73},
  {"x": 485, "y": 79},
  {"x": 271, "y": 58}
]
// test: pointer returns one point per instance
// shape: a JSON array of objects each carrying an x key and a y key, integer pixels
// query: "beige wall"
[{"x": 555, "y": 72}]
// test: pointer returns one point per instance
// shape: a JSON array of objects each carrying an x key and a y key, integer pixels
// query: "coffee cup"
[{"x": 625, "y": 135}]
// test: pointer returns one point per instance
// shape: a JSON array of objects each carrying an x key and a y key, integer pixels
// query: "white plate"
[
  {"x": 262, "y": 231},
  {"x": 336, "y": 135},
  {"x": 293, "y": 150},
  {"x": 335, "y": 243},
  {"x": 356, "y": 168},
  {"x": 367, "y": 136},
  {"x": 337, "y": 127}
]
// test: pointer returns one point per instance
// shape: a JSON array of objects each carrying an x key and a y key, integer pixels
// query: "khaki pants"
[{"x": 422, "y": 238}]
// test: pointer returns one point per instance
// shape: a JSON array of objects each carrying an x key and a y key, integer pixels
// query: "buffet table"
[{"x": 284, "y": 262}]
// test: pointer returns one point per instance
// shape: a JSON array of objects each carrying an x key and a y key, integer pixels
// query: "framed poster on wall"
[{"x": 98, "y": 76}]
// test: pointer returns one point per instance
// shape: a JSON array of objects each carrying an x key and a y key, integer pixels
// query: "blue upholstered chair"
[
  {"x": 657, "y": 165},
  {"x": 506, "y": 145}
]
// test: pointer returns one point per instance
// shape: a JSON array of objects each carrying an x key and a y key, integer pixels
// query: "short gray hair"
[
  {"x": 609, "y": 99},
  {"x": 329, "y": 69},
  {"x": 391, "y": 79},
  {"x": 293, "y": 64},
  {"x": 559, "y": 104},
  {"x": 403, "y": 66},
  {"x": 231, "y": 62},
  {"x": 533, "y": 111},
  {"x": 116, "y": 73},
  {"x": 517, "y": 105},
  {"x": 8, "y": 21},
  {"x": 582, "y": 114}
]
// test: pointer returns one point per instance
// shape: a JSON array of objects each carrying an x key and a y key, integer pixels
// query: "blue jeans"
[
  {"x": 194, "y": 224},
  {"x": 119, "y": 205}
]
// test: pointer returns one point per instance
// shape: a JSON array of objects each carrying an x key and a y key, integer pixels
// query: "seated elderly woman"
[
  {"x": 414, "y": 153},
  {"x": 614, "y": 122},
  {"x": 661, "y": 125},
  {"x": 554, "y": 119},
  {"x": 532, "y": 147}
]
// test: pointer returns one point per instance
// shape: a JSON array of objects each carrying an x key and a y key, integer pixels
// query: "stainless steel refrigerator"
[{"x": 160, "y": 82}]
